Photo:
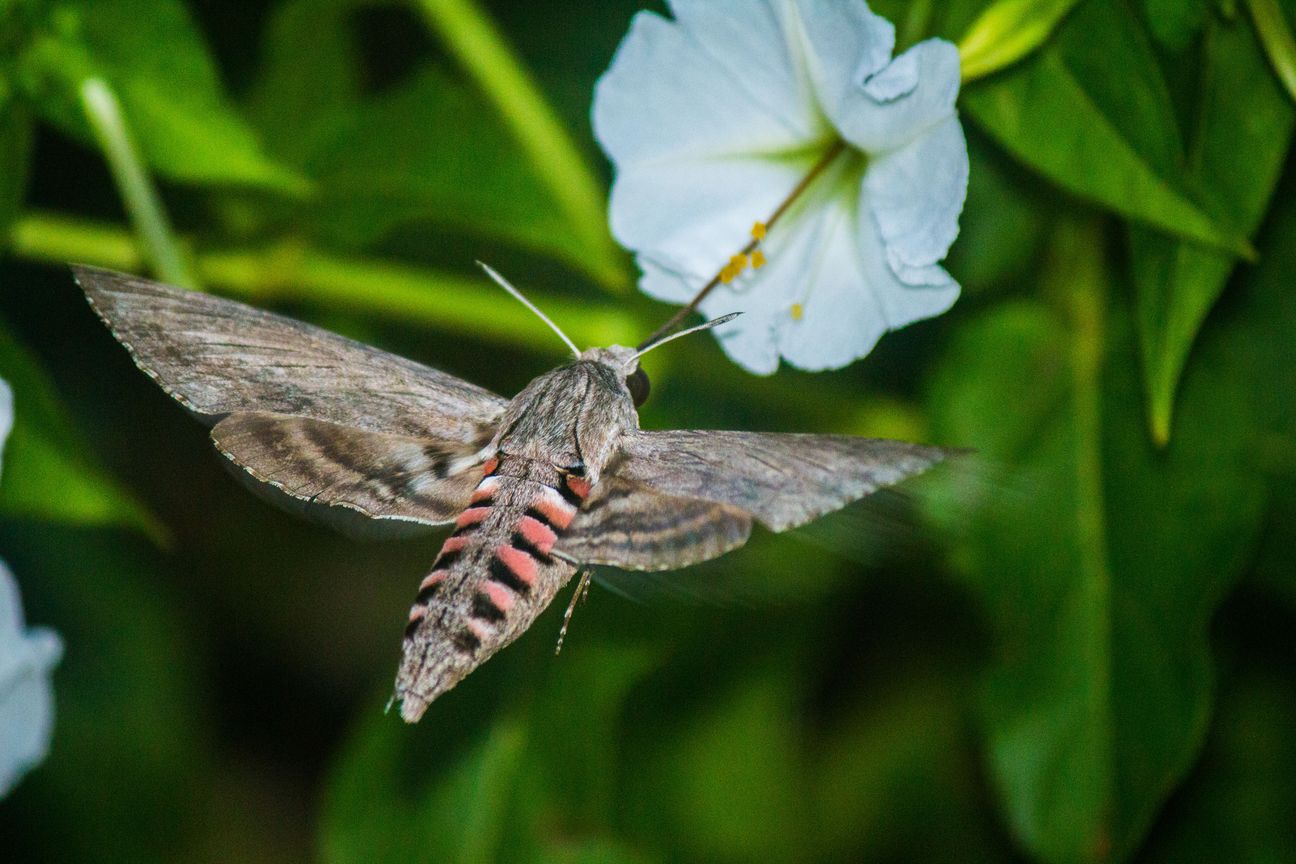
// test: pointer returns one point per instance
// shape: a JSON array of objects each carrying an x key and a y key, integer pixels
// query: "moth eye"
[{"x": 637, "y": 383}]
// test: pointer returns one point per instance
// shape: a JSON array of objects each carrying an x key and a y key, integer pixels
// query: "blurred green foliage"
[{"x": 1083, "y": 655}]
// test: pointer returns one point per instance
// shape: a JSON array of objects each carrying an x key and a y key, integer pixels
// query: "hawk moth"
[{"x": 557, "y": 478}]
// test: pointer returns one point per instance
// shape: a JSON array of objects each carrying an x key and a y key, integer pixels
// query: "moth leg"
[{"x": 581, "y": 593}]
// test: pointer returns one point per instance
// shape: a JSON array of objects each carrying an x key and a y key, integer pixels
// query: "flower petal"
[
  {"x": 875, "y": 119},
  {"x": 707, "y": 140},
  {"x": 26, "y": 701},
  {"x": 916, "y": 194},
  {"x": 6, "y": 417},
  {"x": 903, "y": 303},
  {"x": 26, "y": 719},
  {"x": 854, "y": 297},
  {"x": 828, "y": 259},
  {"x": 899, "y": 78},
  {"x": 843, "y": 44},
  {"x": 691, "y": 215},
  {"x": 665, "y": 282},
  {"x": 841, "y": 317},
  {"x": 713, "y": 83}
]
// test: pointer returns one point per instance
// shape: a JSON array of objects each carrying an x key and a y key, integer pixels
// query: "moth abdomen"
[{"x": 493, "y": 576}]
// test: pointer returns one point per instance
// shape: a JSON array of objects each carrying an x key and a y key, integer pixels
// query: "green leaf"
[
  {"x": 1175, "y": 23},
  {"x": 1003, "y": 226},
  {"x": 555, "y": 160},
  {"x": 431, "y": 151},
  {"x": 1107, "y": 139},
  {"x": 1008, "y": 31},
  {"x": 48, "y": 471},
  {"x": 132, "y": 712},
  {"x": 309, "y": 73},
  {"x": 726, "y": 784},
  {"x": 896, "y": 779},
  {"x": 1100, "y": 563},
  {"x": 1239, "y": 803},
  {"x": 1267, "y": 313},
  {"x": 1277, "y": 39},
  {"x": 1245, "y": 128},
  {"x": 588, "y": 852},
  {"x": 368, "y": 818},
  {"x": 15, "y": 161},
  {"x": 400, "y": 794},
  {"x": 1133, "y": 94},
  {"x": 155, "y": 59}
]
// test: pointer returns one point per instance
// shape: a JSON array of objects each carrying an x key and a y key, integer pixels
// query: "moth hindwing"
[{"x": 535, "y": 487}]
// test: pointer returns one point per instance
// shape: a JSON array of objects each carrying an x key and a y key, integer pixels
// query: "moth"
[{"x": 537, "y": 488}]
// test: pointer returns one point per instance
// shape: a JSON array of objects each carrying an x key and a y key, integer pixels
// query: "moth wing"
[
  {"x": 628, "y": 524},
  {"x": 219, "y": 357},
  {"x": 781, "y": 479},
  {"x": 360, "y": 482}
]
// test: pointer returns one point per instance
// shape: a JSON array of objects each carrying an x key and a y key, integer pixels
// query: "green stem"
[
  {"x": 485, "y": 56},
  {"x": 294, "y": 273},
  {"x": 1277, "y": 39},
  {"x": 104, "y": 114},
  {"x": 1084, "y": 297}
]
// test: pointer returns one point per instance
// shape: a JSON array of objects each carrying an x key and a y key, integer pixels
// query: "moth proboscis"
[{"x": 558, "y": 478}]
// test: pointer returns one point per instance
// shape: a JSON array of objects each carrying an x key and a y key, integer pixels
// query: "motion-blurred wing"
[
  {"x": 333, "y": 473},
  {"x": 218, "y": 357},
  {"x": 628, "y": 524},
  {"x": 782, "y": 480}
]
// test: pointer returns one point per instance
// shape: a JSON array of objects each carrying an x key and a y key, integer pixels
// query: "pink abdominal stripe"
[{"x": 514, "y": 566}]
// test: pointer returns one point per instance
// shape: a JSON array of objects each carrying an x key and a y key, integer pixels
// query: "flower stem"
[
  {"x": 104, "y": 114},
  {"x": 288, "y": 272},
  {"x": 834, "y": 150}
]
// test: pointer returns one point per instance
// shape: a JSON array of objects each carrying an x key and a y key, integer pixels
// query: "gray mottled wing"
[
  {"x": 218, "y": 357},
  {"x": 627, "y": 524},
  {"x": 334, "y": 473},
  {"x": 782, "y": 480}
]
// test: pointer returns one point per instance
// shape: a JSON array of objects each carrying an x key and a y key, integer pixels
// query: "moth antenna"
[
  {"x": 716, "y": 322},
  {"x": 582, "y": 591},
  {"x": 504, "y": 283}
]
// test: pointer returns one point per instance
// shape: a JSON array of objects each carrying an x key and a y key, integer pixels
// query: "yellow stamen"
[
  {"x": 738, "y": 263},
  {"x": 757, "y": 259},
  {"x": 758, "y": 232},
  {"x": 797, "y": 311}
]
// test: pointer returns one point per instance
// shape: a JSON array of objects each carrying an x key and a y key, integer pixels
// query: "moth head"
[
  {"x": 625, "y": 362},
  {"x": 638, "y": 385}
]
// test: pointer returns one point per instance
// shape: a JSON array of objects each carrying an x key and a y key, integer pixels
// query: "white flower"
[
  {"x": 26, "y": 658},
  {"x": 713, "y": 120}
]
